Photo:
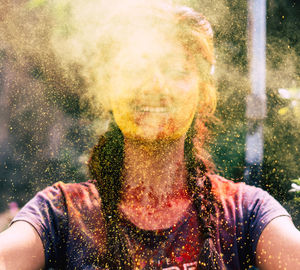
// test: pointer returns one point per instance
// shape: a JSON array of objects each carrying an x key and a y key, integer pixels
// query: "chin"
[{"x": 154, "y": 136}]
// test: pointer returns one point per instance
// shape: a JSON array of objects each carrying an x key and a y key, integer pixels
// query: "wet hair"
[{"x": 106, "y": 161}]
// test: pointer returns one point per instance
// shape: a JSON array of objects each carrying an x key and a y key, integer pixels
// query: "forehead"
[{"x": 150, "y": 55}]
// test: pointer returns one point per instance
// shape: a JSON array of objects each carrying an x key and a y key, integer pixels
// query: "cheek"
[
  {"x": 188, "y": 101},
  {"x": 185, "y": 114},
  {"x": 122, "y": 115},
  {"x": 179, "y": 122},
  {"x": 182, "y": 119}
]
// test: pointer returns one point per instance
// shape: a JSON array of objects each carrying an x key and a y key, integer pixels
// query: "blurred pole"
[
  {"x": 256, "y": 100},
  {"x": 4, "y": 115}
]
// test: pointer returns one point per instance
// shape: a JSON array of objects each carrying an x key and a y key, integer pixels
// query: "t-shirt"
[{"x": 69, "y": 221}]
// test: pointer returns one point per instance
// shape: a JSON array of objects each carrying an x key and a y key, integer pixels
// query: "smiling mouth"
[{"x": 149, "y": 109}]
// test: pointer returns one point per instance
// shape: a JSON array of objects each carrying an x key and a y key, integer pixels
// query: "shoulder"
[
  {"x": 249, "y": 197},
  {"x": 59, "y": 198},
  {"x": 75, "y": 195},
  {"x": 66, "y": 216},
  {"x": 224, "y": 188},
  {"x": 73, "y": 187},
  {"x": 246, "y": 211},
  {"x": 75, "y": 190}
]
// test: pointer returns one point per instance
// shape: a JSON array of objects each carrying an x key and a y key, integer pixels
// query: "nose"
[
  {"x": 159, "y": 81},
  {"x": 157, "y": 78}
]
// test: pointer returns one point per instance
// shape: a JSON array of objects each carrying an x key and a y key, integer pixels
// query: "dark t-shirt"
[{"x": 69, "y": 221}]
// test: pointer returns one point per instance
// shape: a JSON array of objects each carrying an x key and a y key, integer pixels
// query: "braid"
[
  {"x": 106, "y": 166},
  {"x": 204, "y": 203}
]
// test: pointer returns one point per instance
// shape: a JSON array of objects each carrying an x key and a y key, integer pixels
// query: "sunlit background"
[{"x": 47, "y": 128}]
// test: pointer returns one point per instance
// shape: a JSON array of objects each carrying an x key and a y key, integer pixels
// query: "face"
[{"x": 155, "y": 97}]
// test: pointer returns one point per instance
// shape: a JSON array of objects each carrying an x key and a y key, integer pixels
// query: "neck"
[{"x": 154, "y": 173}]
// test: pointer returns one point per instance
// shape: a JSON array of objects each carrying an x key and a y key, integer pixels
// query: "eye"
[{"x": 178, "y": 74}]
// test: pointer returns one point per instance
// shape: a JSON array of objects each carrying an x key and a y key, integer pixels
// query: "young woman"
[{"x": 155, "y": 202}]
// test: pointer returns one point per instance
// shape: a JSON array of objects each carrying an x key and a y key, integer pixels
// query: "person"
[{"x": 155, "y": 201}]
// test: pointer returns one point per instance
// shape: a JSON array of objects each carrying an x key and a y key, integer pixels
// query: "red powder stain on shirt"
[{"x": 222, "y": 187}]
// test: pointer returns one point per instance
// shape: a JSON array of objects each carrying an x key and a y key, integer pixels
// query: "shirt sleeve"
[
  {"x": 46, "y": 212},
  {"x": 260, "y": 208}
]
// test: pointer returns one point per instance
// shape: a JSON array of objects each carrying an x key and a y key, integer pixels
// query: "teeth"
[{"x": 153, "y": 109}]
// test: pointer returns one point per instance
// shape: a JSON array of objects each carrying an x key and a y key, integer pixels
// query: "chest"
[
  {"x": 162, "y": 217},
  {"x": 174, "y": 248}
]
